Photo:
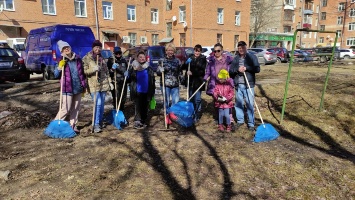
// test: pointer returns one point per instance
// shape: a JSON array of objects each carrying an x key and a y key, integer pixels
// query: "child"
[{"x": 223, "y": 94}]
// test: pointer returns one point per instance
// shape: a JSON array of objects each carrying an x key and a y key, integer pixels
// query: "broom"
[
  {"x": 266, "y": 132},
  {"x": 94, "y": 107},
  {"x": 60, "y": 128},
  {"x": 119, "y": 118}
]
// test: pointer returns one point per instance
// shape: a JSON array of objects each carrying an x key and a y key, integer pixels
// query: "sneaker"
[
  {"x": 238, "y": 125},
  {"x": 138, "y": 125},
  {"x": 229, "y": 128},
  {"x": 251, "y": 129},
  {"x": 232, "y": 126},
  {"x": 76, "y": 130},
  {"x": 97, "y": 129},
  {"x": 102, "y": 125},
  {"x": 221, "y": 127}
]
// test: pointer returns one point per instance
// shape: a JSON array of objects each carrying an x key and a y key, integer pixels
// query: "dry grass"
[{"x": 313, "y": 159}]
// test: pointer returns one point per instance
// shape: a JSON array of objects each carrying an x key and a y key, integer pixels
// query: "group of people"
[{"x": 224, "y": 76}]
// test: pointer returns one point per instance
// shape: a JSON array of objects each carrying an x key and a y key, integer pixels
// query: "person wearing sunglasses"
[
  {"x": 244, "y": 63},
  {"x": 119, "y": 64},
  {"x": 216, "y": 63},
  {"x": 197, "y": 63}
]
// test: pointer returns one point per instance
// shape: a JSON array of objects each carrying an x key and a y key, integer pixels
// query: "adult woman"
[
  {"x": 216, "y": 63},
  {"x": 94, "y": 62},
  {"x": 73, "y": 83},
  {"x": 172, "y": 70},
  {"x": 197, "y": 69},
  {"x": 141, "y": 78}
]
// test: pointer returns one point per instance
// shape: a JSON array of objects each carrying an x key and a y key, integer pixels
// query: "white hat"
[{"x": 61, "y": 44}]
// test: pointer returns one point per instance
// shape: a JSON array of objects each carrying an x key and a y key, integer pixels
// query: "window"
[
  {"x": 352, "y": 12},
  {"x": 341, "y": 6},
  {"x": 339, "y": 33},
  {"x": 131, "y": 13},
  {"x": 219, "y": 38},
  {"x": 289, "y": 2},
  {"x": 182, "y": 39},
  {"x": 169, "y": 27},
  {"x": 305, "y": 34},
  {"x": 321, "y": 39},
  {"x": 340, "y": 20},
  {"x": 107, "y": 10},
  {"x": 350, "y": 41},
  {"x": 316, "y": 22},
  {"x": 236, "y": 40},
  {"x": 298, "y": 25},
  {"x": 8, "y": 4},
  {"x": 287, "y": 29},
  {"x": 323, "y": 16},
  {"x": 155, "y": 39},
  {"x": 80, "y": 8},
  {"x": 168, "y": 5},
  {"x": 307, "y": 19},
  {"x": 288, "y": 15},
  {"x": 182, "y": 14},
  {"x": 317, "y": 9},
  {"x": 133, "y": 38},
  {"x": 324, "y": 3},
  {"x": 220, "y": 15},
  {"x": 154, "y": 16},
  {"x": 310, "y": 34},
  {"x": 237, "y": 18},
  {"x": 322, "y": 27},
  {"x": 48, "y": 7},
  {"x": 315, "y": 35},
  {"x": 351, "y": 26}
]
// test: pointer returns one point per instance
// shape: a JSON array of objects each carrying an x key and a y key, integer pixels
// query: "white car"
[
  {"x": 347, "y": 53},
  {"x": 207, "y": 50}
]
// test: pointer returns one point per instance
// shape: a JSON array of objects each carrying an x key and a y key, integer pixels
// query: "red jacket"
[{"x": 226, "y": 90}]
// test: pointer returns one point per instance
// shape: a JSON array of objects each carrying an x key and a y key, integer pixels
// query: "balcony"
[
  {"x": 308, "y": 9},
  {"x": 306, "y": 25}
]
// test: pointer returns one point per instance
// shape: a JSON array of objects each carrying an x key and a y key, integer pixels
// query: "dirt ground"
[{"x": 312, "y": 159}]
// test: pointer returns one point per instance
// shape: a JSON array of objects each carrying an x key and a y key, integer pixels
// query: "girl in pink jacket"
[{"x": 223, "y": 94}]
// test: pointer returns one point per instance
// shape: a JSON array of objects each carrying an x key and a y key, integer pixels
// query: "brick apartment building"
[
  {"x": 330, "y": 15},
  {"x": 128, "y": 23}
]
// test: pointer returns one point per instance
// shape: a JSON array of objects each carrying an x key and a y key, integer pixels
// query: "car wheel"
[
  {"x": 47, "y": 75},
  {"x": 346, "y": 57},
  {"x": 323, "y": 59},
  {"x": 278, "y": 60}
]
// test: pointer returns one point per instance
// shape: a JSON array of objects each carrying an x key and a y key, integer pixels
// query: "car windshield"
[
  {"x": 156, "y": 53},
  {"x": 7, "y": 53}
]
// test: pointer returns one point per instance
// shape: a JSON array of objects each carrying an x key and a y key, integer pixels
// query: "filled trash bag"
[{"x": 182, "y": 113}]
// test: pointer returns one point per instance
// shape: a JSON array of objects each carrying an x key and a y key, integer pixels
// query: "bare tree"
[{"x": 264, "y": 14}]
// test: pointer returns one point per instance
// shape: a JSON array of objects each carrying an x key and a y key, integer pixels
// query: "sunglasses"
[
  {"x": 197, "y": 50},
  {"x": 217, "y": 51}
]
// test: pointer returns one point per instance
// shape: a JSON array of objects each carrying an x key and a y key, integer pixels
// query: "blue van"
[{"x": 41, "y": 51}]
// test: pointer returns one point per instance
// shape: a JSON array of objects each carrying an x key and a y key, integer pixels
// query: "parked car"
[
  {"x": 260, "y": 57},
  {"x": 41, "y": 50},
  {"x": 207, "y": 50},
  {"x": 183, "y": 53},
  {"x": 270, "y": 57},
  {"x": 12, "y": 66},
  {"x": 282, "y": 54},
  {"x": 153, "y": 54},
  {"x": 324, "y": 53},
  {"x": 301, "y": 56},
  {"x": 347, "y": 53}
]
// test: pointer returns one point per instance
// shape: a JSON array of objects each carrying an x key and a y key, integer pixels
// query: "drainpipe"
[
  {"x": 190, "y": 23},
  {"x": 342, "y": 32},
  {"x": 97, "y": 20}
]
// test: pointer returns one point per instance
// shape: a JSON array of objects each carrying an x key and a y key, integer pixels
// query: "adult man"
[
  {"x": 244, "y": 62},
  {"x": 119, "y": 64}
]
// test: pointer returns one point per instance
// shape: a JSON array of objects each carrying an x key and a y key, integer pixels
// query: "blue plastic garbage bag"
[{"x": 182, "y": 113}]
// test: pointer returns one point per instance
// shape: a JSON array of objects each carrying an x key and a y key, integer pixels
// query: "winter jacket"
[
  {"x": 132, "y": 79},
  {"x": 197, "y": 68},
  {"x": 122, "y": 67},
  {"x": 252, "y": 66},
  {"x": 226, "y": 90},
  {"x": 211, "y": 71},
  {"x": 172, "y": 71},
  {"x": 67, "y": 83},
  {"x": 103, "y": 80}
]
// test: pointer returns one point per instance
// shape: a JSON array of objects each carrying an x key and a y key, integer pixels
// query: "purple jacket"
[
  {"x": 67, "y": 85},
  {"x": 211, "y": 72}
]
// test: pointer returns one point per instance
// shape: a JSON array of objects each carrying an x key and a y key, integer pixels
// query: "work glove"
[
  {"x": 161, "y": 69},
  {"x": 126, "y": 74},
  {"x": 61, "y": 65},
  {"x": 96, "y": 68},
  {"x": 115, "y": 66},
  {"x": 188, "y": 61},
  {"x": 112, "y": 87}
]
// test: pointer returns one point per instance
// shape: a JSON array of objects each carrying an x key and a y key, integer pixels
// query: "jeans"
[
  {"x": 174, "y": 93},
  {"x": 241, "y": 94},
  {"x": 224, "y": 112},
  {"x": 196, "y": 100},
  {"x": 99, "y": 111}
]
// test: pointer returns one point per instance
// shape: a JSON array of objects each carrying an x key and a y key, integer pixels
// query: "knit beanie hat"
[
  {"x": 117, "y": 50},
  {"x": 61, "y": 44},
  {"x": 223, "y": 74},
  {"x": 96, "y": 43}
]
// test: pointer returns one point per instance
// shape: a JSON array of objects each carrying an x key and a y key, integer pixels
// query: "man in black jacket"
[
  {"x": 196, "y": 72},
  {"x": 118, "y": 63},
  {"x": 244, "y": 62}
]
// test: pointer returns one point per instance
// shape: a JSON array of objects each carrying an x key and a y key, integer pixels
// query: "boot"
[
  {"x": 229, "y": 128},
  {"x": 221, "y": 127}
]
